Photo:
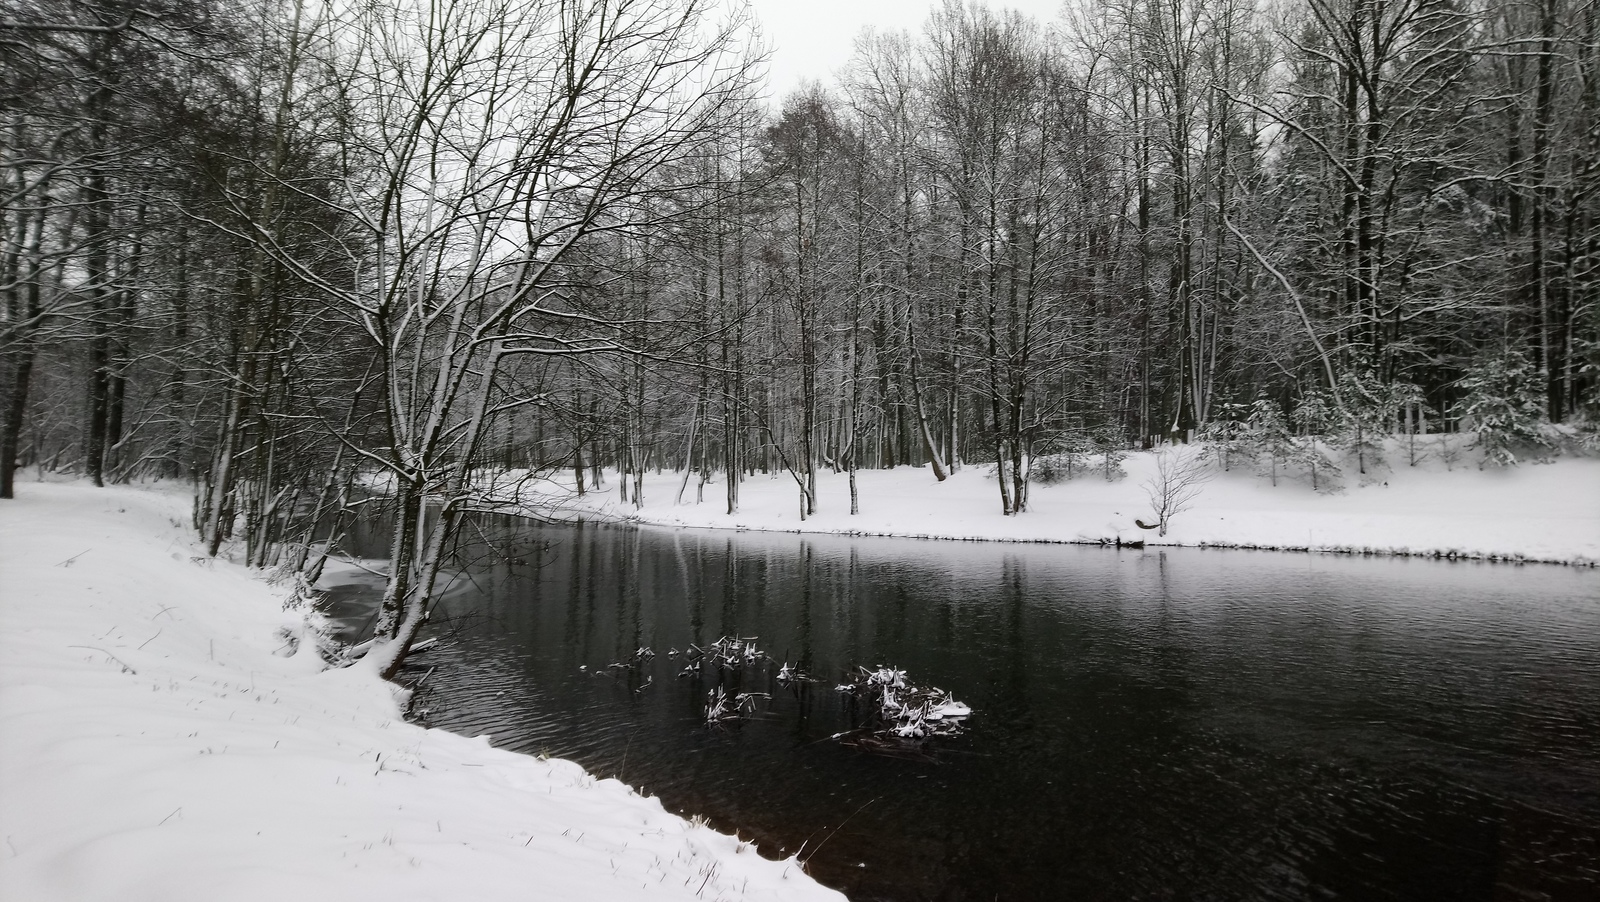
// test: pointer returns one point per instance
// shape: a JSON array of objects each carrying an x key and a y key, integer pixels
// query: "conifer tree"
[
  {"x": 1267, "y": 435},
  {"x": 1502, "y": 408}
]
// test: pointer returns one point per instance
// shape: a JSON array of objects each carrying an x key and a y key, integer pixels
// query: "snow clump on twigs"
[
  {"x": 722, "y": 708},
  {"x": 790, "y": 674},
  {"x": 727, "y": 653},
  {"x": 897, "y": 709}
]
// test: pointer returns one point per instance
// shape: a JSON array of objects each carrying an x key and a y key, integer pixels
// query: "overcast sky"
[{"x": 812, "y": 38}]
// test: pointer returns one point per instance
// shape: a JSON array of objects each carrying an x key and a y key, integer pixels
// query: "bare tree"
[
  {"x": 890, "y": 108},
  {"x": 1180, "y": 475},
  {"x": 492, "y": 149}
]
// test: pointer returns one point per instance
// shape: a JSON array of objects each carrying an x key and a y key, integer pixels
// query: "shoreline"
[
  {"x": 1545, "y": 514},
  {"x": 1449, "y": 555},
  {"x": 168, "y": 731}
]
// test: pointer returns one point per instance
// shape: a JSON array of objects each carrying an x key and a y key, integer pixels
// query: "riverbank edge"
[
  {"x": 1534, "y": 513},
  {"x": 1539, "y": 512},
  {"x": 1437, "y": 554},
  {"x": 73, "y": 820}
]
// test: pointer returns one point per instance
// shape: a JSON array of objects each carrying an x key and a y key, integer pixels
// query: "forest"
[{"x": 277, "y": 247}]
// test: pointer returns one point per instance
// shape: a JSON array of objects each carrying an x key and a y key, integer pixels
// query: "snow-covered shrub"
[
  {"x": 1587, "y": 352},
  {"x": 1077, "y": 445},
  {"x": 1318, "y": 465},
  {"x": 1411, "y": 406},
  {"x": 1315, "y": 414},
  {"x": 1586, "y": 434},
  {"x": 1226, "y": 437},
  {"x": 1062, "y": 459},
  {"x": 1450, "y": 450},
  {"x": 1112, "y": 446},
  {"x": 1267, "y": 436},
  {"x": 1365, "y": 418},
  {"x": 1576, "y": 438},
  {"x": 1313, "y": 418},
  {"x": 1051, "y": 469},
  {"x": 1503, "y": 410}
]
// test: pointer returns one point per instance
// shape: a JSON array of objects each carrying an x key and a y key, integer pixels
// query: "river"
[{"x": 1179, "y": 724}]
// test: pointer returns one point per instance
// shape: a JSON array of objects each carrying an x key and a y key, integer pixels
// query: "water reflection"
[{"x": 1149, "y": 725}]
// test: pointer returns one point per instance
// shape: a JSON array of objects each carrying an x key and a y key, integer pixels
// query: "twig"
[
  {"x": 703, "y": 883},
  {"x": 68, "y": 561},
  {"x": 169, "y": 817},
  {"x": 147, "y": 641},
  {"x": 836, "y": 830},
  {"x": 109, "y": 655},
  {"x": 358, "y": 565},
  {"x": 623, "y": 770}
]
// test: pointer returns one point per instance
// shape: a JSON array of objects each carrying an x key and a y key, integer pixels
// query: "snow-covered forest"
[{"x": 272, "y": 246}]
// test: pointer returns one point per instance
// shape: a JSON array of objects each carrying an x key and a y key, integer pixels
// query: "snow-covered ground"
[
  {"x": 158, "y": 742},
  {"x": 1534, "y": 511}
]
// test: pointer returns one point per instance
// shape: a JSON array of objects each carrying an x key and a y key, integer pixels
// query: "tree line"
[{"x": 273, "y": 246}]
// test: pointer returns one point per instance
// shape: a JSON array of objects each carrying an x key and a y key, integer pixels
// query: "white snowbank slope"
[
  {"x": 1544, "y": 512},
  {"x": 152, "y": 747}
]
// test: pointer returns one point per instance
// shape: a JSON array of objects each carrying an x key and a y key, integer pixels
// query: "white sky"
[{"x": 812, "y": 38}]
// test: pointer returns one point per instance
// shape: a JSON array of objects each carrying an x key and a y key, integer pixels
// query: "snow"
[
  {"x": 159, "y": 742},
  {"x": 1531, "y": 512},
  {"x": 159, "y": 739},
  {"x": 949, "y": 709}
]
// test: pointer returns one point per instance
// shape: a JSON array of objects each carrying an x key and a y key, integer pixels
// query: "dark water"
[{"x": 1149, "y": 725}]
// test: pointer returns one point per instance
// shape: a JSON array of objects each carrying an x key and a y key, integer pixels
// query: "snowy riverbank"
[
  {"x": 156, "y": 745},
  {"x": 1531, "y": 512}
]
